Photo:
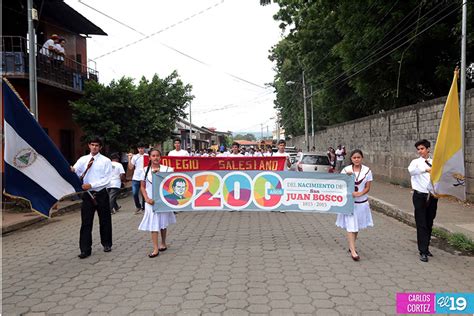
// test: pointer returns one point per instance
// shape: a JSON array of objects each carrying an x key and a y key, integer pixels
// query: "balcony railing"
[{"x": 50, "y": 68}]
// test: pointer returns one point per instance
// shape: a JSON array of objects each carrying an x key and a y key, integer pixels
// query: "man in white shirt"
[
  {"x": 178, "y": 151},
  {"x": 137, "y": 163},
  {"x": 117, "y": 177},
  {"x": 48, "y": 48},
  {"x": 281, "y": 153},
  {"x": 94, "y": 170},
  {"x": 425, "y": 204},
  {"x": 59, "y": 50},
  {"x": 235, "y": 150},
  {"x": 339, "y": 158}
]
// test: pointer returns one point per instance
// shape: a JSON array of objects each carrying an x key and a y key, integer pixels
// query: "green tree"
[
  {"x": 362, "y": 57},
  {"x": 126, "y": 114}
]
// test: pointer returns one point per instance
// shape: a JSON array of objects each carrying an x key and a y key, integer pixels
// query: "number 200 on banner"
[{"x": 235, "y": 190}]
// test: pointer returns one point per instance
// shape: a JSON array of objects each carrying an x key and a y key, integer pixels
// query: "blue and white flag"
[{"x": 34, "y": 167}]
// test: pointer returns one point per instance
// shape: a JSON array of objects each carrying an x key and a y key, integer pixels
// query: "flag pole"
[{"x": 462, "y": 103}]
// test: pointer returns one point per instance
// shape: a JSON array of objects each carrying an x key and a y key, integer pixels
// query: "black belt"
[
  {"x": 360, "y": 202},
  {"x": 421, "y": 193},
  {"x": 98, "y": 192}
]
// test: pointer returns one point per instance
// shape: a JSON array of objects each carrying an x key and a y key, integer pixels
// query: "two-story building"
[{"x": 60, "y": 79}]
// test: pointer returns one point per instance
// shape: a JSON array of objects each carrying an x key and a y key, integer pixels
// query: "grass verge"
[{"x": 457, "y": 240}]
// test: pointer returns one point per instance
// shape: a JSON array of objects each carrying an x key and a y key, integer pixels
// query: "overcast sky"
[{"x": 230, "y": 38}]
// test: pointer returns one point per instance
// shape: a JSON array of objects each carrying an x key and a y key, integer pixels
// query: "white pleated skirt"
[
  {"x": 154, "y": 222},
  {"x": 362, "y": 218}
]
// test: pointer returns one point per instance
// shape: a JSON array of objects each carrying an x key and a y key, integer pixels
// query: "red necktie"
[{"x": 88, "y": 167}]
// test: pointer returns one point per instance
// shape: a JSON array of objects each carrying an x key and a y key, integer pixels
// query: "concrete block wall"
[{"x": 387, "y": 139}]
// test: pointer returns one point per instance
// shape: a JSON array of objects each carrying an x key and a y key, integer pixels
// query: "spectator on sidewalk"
[
  {"x": 332, "y": 157},
  {"x": 118, "y": 177},
  {"x": 94, "y": 170},
  {"x": 48, "y": 48},
  {"x": 339, "y": 158},
  {"x": 59, "y": 50},
  {"x": 424, "y": 202},
  {"x": 362, "y": 217},
  {"x": 136, "y": 163}
]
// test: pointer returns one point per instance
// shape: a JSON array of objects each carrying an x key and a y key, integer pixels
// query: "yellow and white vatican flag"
[{"x": 447, "y": 173}]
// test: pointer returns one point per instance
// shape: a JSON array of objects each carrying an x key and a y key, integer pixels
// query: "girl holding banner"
[
  {"x": 362, "y": 217},
  {"x": 153, "y": 221}
]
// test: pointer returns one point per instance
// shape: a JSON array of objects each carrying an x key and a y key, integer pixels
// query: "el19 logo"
[{"x": 454, "y": 303}]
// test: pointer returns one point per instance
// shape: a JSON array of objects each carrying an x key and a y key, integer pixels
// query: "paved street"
[{"x": 232, "y": 263}]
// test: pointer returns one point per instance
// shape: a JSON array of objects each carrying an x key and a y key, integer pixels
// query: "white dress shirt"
[
  {"x": 117, "y": 171},
  {"x": 283, "y": 154},
  {"x": 235, "y": 155},
  {"x": 137, "y": 162},
  {"x": 181, "y": 153},
  {"x": 98, "y": 175},
  {"x": 420, "y": 178}
]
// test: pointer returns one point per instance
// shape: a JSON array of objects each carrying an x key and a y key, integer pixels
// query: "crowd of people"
[{"x": 102, "y": 178}]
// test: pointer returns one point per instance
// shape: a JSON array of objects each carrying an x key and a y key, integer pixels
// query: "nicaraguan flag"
[
  {"x": 34, "y": 168},
  {"x": 447, "y": 173}
]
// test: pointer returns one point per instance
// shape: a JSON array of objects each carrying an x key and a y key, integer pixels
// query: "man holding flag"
[
  {"x": 442, "y": 176},
  {"x": 424, "y": 202}
]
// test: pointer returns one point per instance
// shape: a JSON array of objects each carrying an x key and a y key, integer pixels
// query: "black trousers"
[
  {"x": 425, "y": 213},
  {"x": 87, "y": 215}
]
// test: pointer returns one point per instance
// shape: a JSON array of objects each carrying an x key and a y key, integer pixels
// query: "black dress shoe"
[
  {"x": 84, "y": 255},
  {"x": 429, "y": 254},
  {"x": 107, "y": 249},
  {"x": 424, "y": 257}
]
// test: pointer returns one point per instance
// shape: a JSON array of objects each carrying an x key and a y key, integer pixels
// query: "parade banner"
[
  {"x": 253, "y": 191},
  {"x": 224, "y": 163}
]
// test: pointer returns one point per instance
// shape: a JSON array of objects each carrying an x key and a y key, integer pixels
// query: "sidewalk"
[
  {"x": 395, "y": 201},
  {"x": 392, "y": 200},
  {"x": 12, "y": 220}
]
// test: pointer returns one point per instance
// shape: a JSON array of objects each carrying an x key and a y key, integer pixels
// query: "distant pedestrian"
[
  {"x": 332, "y": 157},
  {"x": 95, "y": 171},
  {"x": 117, "y": 178},
  {"x": 235, "y": 150},
  {"x": 362, "y": 217},
  {"x": 424, "y": 202},
  {"x": 178, "y": 151},
  {"x": 340, "y": 154},
  {"x": 154, "y": 222},
  {"x": 136, "y": 163}
]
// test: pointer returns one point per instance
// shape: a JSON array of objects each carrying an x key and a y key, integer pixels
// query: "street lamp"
[{"x": 306, "y": 136}]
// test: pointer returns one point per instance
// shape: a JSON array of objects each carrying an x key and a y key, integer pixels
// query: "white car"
[{"x": 314, "y": 162}]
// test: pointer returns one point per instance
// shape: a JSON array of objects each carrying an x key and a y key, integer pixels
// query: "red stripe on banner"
[
  {"x": 224, "y": 163},
  {"x": 146, "y": 159}
]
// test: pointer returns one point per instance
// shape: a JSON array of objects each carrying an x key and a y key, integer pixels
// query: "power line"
[
  {"x": 421, "y": 32},
  {"x": 161, "y": 30},
  {"x": 387, "y": 45},
  {"x": 172, "y": 48}
]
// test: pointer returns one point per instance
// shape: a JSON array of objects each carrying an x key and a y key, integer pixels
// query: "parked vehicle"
[{"x": 314, "y": 162}]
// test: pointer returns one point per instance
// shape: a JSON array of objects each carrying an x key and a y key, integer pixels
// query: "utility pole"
[
  {"x": 306, "y": 137},
  {"x": 32, "y": 59},
  {"x": 261, "y": 130},
  {"x": 462, "y": 105},
  {"x": 190, "y": 129},
  {"x": 312, "y": 114},
  {"x": 267, "y": 132}
]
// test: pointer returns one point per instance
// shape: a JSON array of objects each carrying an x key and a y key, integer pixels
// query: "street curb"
[
  {"x": 28, "y": 222},
  {"x": 393, "y": 211}
]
